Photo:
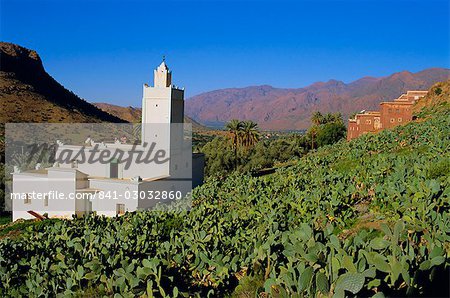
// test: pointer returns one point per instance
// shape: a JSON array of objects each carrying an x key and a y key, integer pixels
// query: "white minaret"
[
  {"x": 162, "y": 108},
  {"x": 161, "y": 104},
  {"x": 162, "y": 75}
]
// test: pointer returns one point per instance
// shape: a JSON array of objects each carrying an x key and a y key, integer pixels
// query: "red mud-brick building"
[
  {"x": 395, "y": 113},
  {"x": 391, "y": 114},
  {"x": 363, "y": 122}
]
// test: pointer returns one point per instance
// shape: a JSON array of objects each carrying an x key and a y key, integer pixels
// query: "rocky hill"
[
  {"x": 437, "y": 99},
  {"x": 129, "y": 114},
  {"x": 133, "y": 115},
  {"x": 29, "y": 94},
  {"x": 283, "y": 109}
]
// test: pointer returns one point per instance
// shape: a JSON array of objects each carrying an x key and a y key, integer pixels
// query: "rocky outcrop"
[{"x": 29, "y": 94}]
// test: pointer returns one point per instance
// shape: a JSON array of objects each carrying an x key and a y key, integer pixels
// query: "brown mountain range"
[
  {"x": 29, "y": 94},
  {"x": 285, "y": 109}
]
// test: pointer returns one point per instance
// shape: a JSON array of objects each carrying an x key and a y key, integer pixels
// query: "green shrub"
[
  {"x": 300, "y": 228},
  {"x": 441, "y": 168}
]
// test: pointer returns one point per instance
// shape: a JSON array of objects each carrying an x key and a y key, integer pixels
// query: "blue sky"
[{"x": 106, "y": 50}]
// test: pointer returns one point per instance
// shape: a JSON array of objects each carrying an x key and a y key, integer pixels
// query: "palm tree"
[
  {"x": 235, "y": 128},
  {"x": 250, "y": 133},
  {"x": 338, "y": 117},
  {"x": 317, "y": 118},
  {"x": 313, "y": 132},
  {"x": 328, "y": 118}
]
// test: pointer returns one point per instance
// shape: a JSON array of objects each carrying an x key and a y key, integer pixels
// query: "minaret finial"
[{"x": 164, "y": 58}]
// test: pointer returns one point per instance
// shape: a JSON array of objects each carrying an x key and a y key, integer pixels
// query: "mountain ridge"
[{"x": 291, "y": 108}]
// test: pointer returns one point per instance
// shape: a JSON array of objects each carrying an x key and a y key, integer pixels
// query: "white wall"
[
  {"x": 59, "y": 185},
  {"x": 27, "y": 183},
  {"x": 117, "y": 189}
]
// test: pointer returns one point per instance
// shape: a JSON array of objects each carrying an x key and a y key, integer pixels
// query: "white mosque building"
[{"x": 114, "y": 187}]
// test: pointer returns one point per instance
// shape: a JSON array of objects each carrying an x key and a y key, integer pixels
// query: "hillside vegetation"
[
  {"x": 367, "y": 217},
  {"x": 246, "y": 150},
  {"x": 437, "y": 100}
]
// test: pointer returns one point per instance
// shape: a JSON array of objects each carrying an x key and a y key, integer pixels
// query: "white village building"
[{"x": 113, "y": 188}]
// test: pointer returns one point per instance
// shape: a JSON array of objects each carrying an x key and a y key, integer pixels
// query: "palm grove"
[{"x": 245, "y": 149}]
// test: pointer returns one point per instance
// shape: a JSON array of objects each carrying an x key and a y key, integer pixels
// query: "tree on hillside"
[
  {"x": 219, "y": 159},
  {"x": 317, "y": 118},
  {"x": 330, "y": 133},
  {"x": 235, "y": 129},
  {"x": 326, "y": 129},
  {"x": 250, "y": 134},
  {"x": 312, "y": 132},
  {"x": 330, "y": 118}
]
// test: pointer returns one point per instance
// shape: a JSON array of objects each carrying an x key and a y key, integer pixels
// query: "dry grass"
[{"x": 437, "y": 99}]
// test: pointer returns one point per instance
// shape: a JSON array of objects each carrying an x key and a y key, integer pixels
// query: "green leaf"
[
  {"x": 396, "y": 268},
  {"x": 352, "y": 282},
  {"x": 398, "y": 228},
  {"x": 379, "y": 243},
  {"x": 347, "y": 262},
  {"x": 268, "y": 285},
  {"x": 60, "y": 256},
  {"x": 437, "y": 260},
  {"x": 425, "y": 265},
  {"x": 146, "y": 263},
  {"x": 305, "y": 278},
  {"x": 335, "y": 264},
  {"x": 339, "y": 293},
  {"x": 311, "y": 257},
  {"x": 80, "y": 272},
  {"x": 335, "y": 241},
  {"x": 436, "y": 252},
  {"x": 322, "y": 283},
  {"x": 407, "y": 218},
  {"x": 69, "y": 283},
  {"x": 143, "y": 272},
  {"x": 373, "y": 283},
  {"x": 435, "y": 186},
  {"x": 370, "y": 273},
  {"x": 381, "y": 264},
  {"x": 406, "y": 277},
  {"x": 386, "y": 230},
  {"x": 90, "y": 276},
  {"x": 78, "y": 247}
]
